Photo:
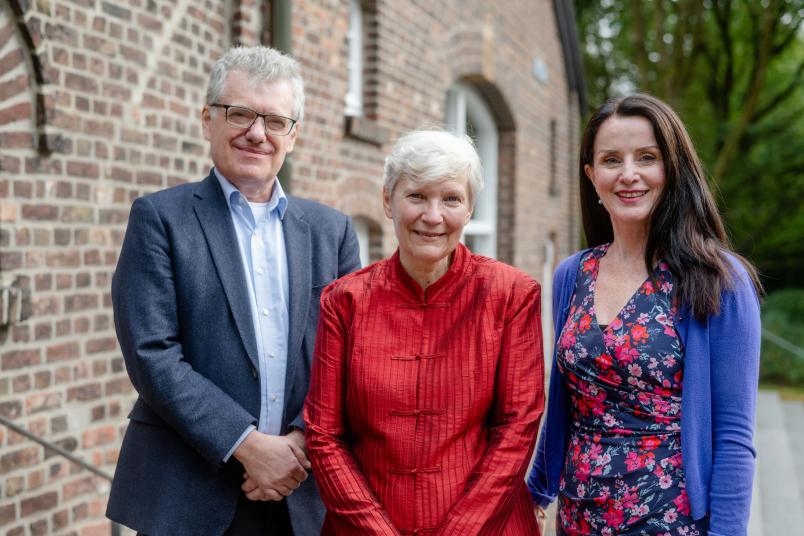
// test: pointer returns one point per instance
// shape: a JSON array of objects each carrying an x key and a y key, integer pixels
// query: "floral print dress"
[{"x": 623, "y": 473}]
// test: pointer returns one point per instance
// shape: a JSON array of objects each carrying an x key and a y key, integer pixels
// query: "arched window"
[
  {"x": 369, "y": 236},
  {"x": 354, "y": 38},
  {"x": 468, "y": 113}
]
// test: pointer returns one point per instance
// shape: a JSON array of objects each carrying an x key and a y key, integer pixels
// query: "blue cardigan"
[{"x": 721, "y": 369}]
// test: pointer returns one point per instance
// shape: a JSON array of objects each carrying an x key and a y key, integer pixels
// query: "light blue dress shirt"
[{"x": 262, "y": 249}]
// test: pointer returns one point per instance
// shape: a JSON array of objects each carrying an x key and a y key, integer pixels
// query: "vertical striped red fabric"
[{"x": 424, "y": 407}]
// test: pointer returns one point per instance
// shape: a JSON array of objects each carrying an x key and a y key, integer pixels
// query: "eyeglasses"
[{"x": 242, "y": 117}]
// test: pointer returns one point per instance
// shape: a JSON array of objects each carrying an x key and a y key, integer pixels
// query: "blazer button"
[{"x": 253, "y": 372}]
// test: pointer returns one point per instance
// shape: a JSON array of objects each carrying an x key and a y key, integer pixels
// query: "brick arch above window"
[
  {"x": 23, "y": 77},
  {"x": 499, "y": 204}
]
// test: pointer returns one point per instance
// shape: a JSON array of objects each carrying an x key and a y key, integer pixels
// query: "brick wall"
[{"x": 99, "y": 104}]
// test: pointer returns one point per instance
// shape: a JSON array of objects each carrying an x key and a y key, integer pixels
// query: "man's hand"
[{"x": 275, "y": 465}]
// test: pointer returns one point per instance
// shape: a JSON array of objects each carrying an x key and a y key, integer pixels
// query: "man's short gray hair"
[
  {"x": 434, "y": 156},
  {"x": 261, "y": 64}
]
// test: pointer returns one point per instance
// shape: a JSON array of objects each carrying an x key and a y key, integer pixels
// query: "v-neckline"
[{"x": 599, "y": 254}]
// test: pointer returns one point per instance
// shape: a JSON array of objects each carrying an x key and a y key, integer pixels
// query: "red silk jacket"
[{"x": 424, "y": 406}]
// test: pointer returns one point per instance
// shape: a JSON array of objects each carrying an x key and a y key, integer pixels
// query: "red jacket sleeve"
[
  {"x": 352, "y": 507},
  {"x": 515, "y": 416}
]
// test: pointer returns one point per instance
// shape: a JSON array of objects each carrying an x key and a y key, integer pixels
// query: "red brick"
[
  {"x": 118, "y": 386},
  {"x": 40, "y": 212},
  {"x": 13, "y": 87},
  {"x": 20, "y": 358},
  {"x": 17, "y": 459},
  {"x": 39, "y": 503},
  {"x": 82, "y": 486},
  {"x": 16, "y": 112},
  {"x": 42, "y": 402},
  {"x": 91, "y": 391},
  {"x": 105, "y": 344},
  {"x": 60, "y": 519},
  {"x": 11, "y": 409},
  {"x": 8, "y": 513},
  {"x": 60, "y": 352}
]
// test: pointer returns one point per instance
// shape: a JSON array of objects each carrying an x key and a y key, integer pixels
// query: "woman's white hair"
[
  {"x": 434, "y": 156},
  {"x": 261, "y": 64}
]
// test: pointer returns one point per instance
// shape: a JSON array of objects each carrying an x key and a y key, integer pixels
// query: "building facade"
[{"x": 100, "y": 103}]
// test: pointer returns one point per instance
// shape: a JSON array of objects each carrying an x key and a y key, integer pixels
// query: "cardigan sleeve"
[
  {"x": 514, "y": 419},
  {"x": 352, "y": 507},
  {"x": 734, "y": 344}
]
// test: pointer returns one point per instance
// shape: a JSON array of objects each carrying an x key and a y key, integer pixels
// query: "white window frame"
[
  {"x": 464, "y": 104},
  {"x": 363, "y": 232},
  {"x": 354, "y": 39}
]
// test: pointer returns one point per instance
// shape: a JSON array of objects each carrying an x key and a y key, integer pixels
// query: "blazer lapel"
[
  {"x": 298, "y": 249},
  {"x": 216, "y": 222}
]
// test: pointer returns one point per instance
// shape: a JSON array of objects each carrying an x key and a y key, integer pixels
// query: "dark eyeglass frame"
[{"x": 257, "y": 115}]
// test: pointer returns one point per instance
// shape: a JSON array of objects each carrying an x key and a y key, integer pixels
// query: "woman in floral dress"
[{"x": 650, "y": 414}]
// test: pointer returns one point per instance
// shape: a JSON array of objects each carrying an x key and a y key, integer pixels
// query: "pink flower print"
[
  {"x": 625, "y": 354},
  {"x": 647, "y": 288},
  {"x": 682, "y": 502},
  {"x": 648, "y": 460},
  {"x": 665, "y": 481},
  {"x": 634, "y": 370},
  {"x": 653, "y": 363},
  {"x": 585, "y": 322},
  {"x": 669, "y": 330},
  {"x": 568, "y": 338},
  {"x": 603, "y": 361},
  {"x": 670, "y": 516},
  {"x": 639, "y": 333},
  {"x": 630, "y": 498},
  {"x": 649, "y": 443},
  {"x": 669, "y": 361},
  {"x": 666, "y": 287},
  {"x": 589, "y": 265},
  {"x": 643, "y": 318},
  {"x": 616, "y": 324},
  {"x": 633, "y": 461},
  {"x": 608, "y": 420},
  {"x": 581, "y": 490},
  {"x": 613, "y": 516},
  {"x": 642, "y": 510},
  {"x": 582, "y": 472}
]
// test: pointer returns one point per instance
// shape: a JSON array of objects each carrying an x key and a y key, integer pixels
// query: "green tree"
[{"x": 734, "y": 70}]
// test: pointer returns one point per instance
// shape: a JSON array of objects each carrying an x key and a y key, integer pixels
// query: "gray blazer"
[{"x": 182, "y": 315}]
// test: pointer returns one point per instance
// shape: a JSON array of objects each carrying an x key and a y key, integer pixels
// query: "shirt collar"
[{"x": 278, "y": 201}]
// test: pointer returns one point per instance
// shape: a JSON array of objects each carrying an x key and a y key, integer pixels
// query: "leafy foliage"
[
  {"x": 783, "y": 314},
  {"x": 734, "y": 70}
]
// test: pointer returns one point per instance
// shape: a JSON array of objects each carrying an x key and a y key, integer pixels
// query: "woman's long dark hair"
[{"x": 685, "y": 228}]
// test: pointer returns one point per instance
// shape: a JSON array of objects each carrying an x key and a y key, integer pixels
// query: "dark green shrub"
[{"x": 783, "y": 315}]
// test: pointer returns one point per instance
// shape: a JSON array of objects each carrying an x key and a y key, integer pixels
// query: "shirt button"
[
  {"x": 272, "y": 355},
  {"x": 265, "y": 312},
  {"x": 260, "y": 271},
  {"x": 273, "y": 398}
]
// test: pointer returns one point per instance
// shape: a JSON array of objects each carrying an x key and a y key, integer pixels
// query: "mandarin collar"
[{"x": 437, "y": 290}]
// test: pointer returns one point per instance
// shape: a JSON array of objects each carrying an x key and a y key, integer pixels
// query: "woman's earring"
[{"x": 599, "y": 201}]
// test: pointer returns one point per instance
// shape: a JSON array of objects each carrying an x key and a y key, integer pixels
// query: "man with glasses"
[{"x": 216, "y": 298}]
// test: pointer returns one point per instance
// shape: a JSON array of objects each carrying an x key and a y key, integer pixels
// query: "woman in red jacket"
[{"x": 427, "y": 385}]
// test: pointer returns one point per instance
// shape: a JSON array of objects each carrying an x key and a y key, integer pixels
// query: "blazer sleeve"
[
  {"x": 514, "y": 420},
  {"x": 147, "y": 324},
  {"x": 352, "y": 507},
  {"x": 734, "y": 345},
  {"x": 348, "y": 261}
]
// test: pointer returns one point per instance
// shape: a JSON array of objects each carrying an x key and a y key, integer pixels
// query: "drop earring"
[{"x": 599, "y": 201}]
